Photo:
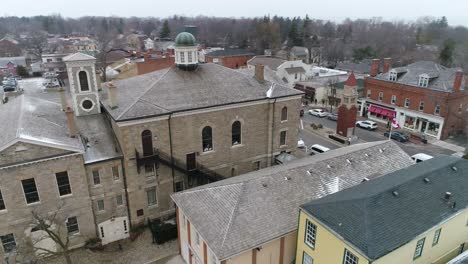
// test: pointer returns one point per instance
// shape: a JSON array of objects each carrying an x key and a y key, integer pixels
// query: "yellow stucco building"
[{"x": 414, "y": 215}]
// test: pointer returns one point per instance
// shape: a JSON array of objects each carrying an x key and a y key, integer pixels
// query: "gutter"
[
  {"x": 172, "y": 156},
  {"x": 126, "y": 192}
]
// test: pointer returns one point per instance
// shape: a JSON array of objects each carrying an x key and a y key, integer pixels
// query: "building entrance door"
[
  {"x": 191, "y": 162},
  {"x": 113, "y": 230}
]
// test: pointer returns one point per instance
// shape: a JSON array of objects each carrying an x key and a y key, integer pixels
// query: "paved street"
[{"x": 363, "y": 135}]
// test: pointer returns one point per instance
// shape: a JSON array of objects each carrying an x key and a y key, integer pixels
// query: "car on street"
[
  {"x": 317, "y": 149},
  {"x": 332, "y": 116},
  {"x": 398, "y": 136},
  {"x": 420, "y": 157},
  {"x": 318, "y": 112},
  {"x": 300, "y": 143},
  {"x": 370, "y": 125}
]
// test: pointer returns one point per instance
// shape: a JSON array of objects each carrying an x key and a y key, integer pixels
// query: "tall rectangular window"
[
  {"x": 72, "y": 225},
  {"x": 30, "y": 191},
  {"x": 151, "y": 195},
  {"x": 96, "y": 177},
  {"x": 407, "y": 102},
  {"x": 2, "y": 203},
  {"x": 419, "y": 248},
  {"x": 421, "y": 106},
  {"x": 393, "y": 99},
  {"x": 368, "y": 93},
  {"x": 100, "y": 205},
  {"x": 380, "y": 96},
  {"x": 437, "y": 110},
  {"x": 8, "y": 242},
  {"x": 435, "y": 240},
  {"x": 115, "y": 173},
  {"x": 350, "y": 258},
  {"x": 63, "y": 183},
  {"x": 119, "y": 200},
  {"x": 189, "y": 57},
  {"x": 310, "y": 234},
  {"x": 256, "y": 165},
  {"x": 307, "y": 259},
  {"x": 149, "y": 170},
  {"x": 182, "y": 56},
  {"x": 282, "y": 138},
  {"x": 179, "y": 186}
]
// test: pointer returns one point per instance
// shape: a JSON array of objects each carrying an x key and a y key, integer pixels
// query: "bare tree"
[{"x": 36, "y": 43}]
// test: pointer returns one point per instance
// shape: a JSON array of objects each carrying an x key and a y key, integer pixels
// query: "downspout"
[
  {"x": 272, "y": 133},
  {"x": 172, "y": 156},
  {"x": 126, "y": 192}
]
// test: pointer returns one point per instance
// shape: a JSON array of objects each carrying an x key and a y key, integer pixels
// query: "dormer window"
[
  {"x": 423, "y": 80},
  {"x": 392, "y": 76}
]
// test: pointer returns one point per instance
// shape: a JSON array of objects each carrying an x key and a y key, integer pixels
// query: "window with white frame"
[
  {"x": 30, "y": 190},
  {"x": 115, "y": 173},
  {"x": 307, "y": 259},
  {"x": 149, "y": 170},
  {"x": 437, "y": 110},
  {"x": 350, "y": 258},
  {"x": 2, "y": 203},
  {"x": 407, "y": 102},
  {"x": 392, "y": 76},
  {"x": 423, "y": 80},
  {"x": 435, "y": 240},
  {"x": 310, "y": 233},
  {"x": 189, "y": 56},
  {"x": 96, "y": 177},
  {"x": 151, "y": 196},
  {"x": 119, "y": 199},
  {"x": 421, "y": 105},
  {"x": 419, "y": 248},
  {"x": 72, "y": 225},
  {"x": 63, "y": 183},
  {"x": 393, "y": 99},
  {"x": 283, "y": 138},
  {"x": 380, "y": 96},
  {"x": 182, "y": 56},
  {"x": 8, "y": 242},
  {"x": 100, "y": 205}
]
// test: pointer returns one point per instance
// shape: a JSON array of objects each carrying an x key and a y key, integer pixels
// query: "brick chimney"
[
  {"x": 458, "y": 81},
  {"x": 387, "y": 65},
  {"x": 375, "y": 65},
  {"x": 72, "y": 130},
  {"x": 112, "y": 93},
  {"x": 260, "y": 72},
  {"x": 63, "y": 99}
]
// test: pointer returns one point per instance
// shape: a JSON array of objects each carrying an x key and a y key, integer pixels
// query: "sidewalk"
[
  {"x": 140, "y": 251},
  {"x": 449, "y": 146}
]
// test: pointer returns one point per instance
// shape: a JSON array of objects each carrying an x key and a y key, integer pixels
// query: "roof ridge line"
[
  {"x": 147, "y": 90},
  {"x": 236, "y": 208},
  {"x": 210, "y": 188}
]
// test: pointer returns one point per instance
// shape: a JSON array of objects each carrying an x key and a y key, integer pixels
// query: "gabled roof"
[
  {"x": 441, "y": 77},
  {"x": 351, "y": 80},
  {"x": 244, "y": 212},
  {"x": 382, "y": 215},
  {"x": 175, "y": 90},
  {"x": 272, "y": 62},
  {"x": 78, "y": 57},
  {"x": 36, "y": 121},
  {"x": 15, "y": 60}
]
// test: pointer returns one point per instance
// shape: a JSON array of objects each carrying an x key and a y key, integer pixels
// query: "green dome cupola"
[{"x": 186, "y": 51}]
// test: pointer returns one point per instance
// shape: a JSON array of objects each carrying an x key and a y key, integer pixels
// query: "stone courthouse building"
[{"x": 109, "y": 157}]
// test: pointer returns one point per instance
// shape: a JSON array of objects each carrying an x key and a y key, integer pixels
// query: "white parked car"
[
  {"x": 371, "y": 125},
  {"x": 318, "y": 112},
  {"x": 300, "y": 143},
  {"x": 317, "y": 149},
  {"x": 421, "y": 157}
]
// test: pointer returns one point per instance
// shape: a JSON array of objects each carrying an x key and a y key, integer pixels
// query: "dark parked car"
[
  {"x": 398, "y": 136},
  {"x": 332, "y": 116}
]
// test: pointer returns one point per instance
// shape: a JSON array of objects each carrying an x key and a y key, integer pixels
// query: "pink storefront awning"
[{"x": 382, "y": 111}]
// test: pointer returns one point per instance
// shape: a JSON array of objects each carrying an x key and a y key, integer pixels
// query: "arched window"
[
  {"x": 207, "y": 139},
  {"x": 236, "y": 133},
  {"x": 83, "y": 81},
  {"x": 284, "y": 114},
  {"x": 147, "y": 142}
]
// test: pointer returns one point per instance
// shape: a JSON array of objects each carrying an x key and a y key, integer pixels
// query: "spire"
[{"x": 351, "y": 80}]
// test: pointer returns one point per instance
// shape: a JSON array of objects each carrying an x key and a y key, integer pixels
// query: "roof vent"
[
  {"x": 426, "y": 180},
  {"x": 287, "y": 178},
  {"x": 328, "y": 166},
  {"x": 447, "y": 196},
  {"x": 264, "y": 185},
  {"x": 454, "y": 168},
  {"x": 348, "y": 160},
  {"x": 396, "y": 193},
  {"x": 381, "y": 150},
  {"x": 367, "y": 155},
  {"x": 454, "y": 204},
  {"x": 308, "y": 173},
  {"x": 365, "y": 179}
]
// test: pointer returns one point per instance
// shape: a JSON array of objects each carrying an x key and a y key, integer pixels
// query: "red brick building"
[
  {"x": 231, "y": 58},
  {"x": 347, "y": 110},
  {"x": 424, "y": 97},
  {"x": 154, "y": 62}
]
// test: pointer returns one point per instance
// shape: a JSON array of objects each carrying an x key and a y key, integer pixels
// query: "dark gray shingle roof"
[
  {"x": 244, "y": 212},
  {"x": 229, "y": 52},
  {"x": 174, "y": 90},
  {"x": 272, "y": 62},
  {"x": 376, "y": 221}
]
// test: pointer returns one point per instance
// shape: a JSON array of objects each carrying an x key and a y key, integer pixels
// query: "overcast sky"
[{"x": 337, "y": 10}]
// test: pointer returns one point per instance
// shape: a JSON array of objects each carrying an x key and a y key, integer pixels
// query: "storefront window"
[
  {"x": 409, "y": 122},
  {"x": 433, "y": 128}
]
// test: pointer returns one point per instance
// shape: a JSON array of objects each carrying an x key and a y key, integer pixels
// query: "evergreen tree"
[
  {"x": 294, "y": 37},
  {"x": 165, "y": 30},
  {"x": 446, "y": 54}
]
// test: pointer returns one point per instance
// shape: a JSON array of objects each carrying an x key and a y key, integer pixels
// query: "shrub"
[
  {"x": 313, "y": 126},
  {"x": 465, "y": 156},
  {"x": 163, "y": 232},
  {"x": 320, "y": 126}
]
